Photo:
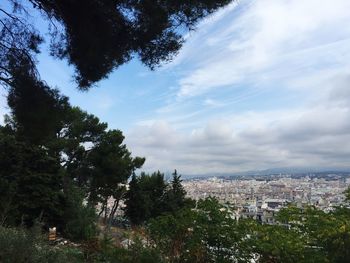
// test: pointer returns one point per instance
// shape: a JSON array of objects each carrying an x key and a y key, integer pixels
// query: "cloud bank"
[{"x": 262, "y": 84}]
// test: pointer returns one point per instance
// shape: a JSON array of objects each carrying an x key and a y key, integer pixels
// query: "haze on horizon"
[{"x": 258, "y": 85}]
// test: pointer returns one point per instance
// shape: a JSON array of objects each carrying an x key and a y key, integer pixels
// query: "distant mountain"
[
  {"x": 295, "y": 170},
  {"x": 281, "y": 170}
]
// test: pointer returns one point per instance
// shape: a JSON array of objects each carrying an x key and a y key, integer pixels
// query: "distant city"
[{"x": 260, "y": 197}]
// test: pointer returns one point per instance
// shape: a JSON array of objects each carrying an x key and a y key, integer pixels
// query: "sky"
[{"x": 258, "y": 85}]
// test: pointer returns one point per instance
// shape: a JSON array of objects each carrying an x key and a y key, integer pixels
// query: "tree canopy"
[
  {"x": 150, "y": 196},
  {"x": 44, "y": 177},
  {"x": 98, "y": 36}
]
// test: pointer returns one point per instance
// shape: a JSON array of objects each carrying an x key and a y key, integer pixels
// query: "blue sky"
[{"x": 259, "y": 84}]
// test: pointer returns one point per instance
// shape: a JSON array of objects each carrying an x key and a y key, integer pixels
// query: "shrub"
[
  {"x": 20, "y": 245},
  {"x": 80, "y": 218},
  {"x": 137, "y": 253}
]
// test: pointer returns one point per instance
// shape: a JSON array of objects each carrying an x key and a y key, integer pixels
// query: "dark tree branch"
[
  {"x": 12, "y": 16},
  {"x": 6, "y": 80}
]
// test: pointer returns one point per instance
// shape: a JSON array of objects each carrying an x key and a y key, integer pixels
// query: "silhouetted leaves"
[{"x": 98, "y": 36}]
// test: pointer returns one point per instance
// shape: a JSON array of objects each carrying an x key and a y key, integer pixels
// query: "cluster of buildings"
[{"x": 261, "y": 199}]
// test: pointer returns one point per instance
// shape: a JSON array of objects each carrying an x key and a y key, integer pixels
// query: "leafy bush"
[
  {"x": 205, "y": 234},
  {"x": 137, "y": 253},
  {"x": 19, "y": 245},
  {"x": 16, "y": 246}
]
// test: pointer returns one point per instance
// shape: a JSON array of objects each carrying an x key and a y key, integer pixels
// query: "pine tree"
[
  {"x": 178, "y": 193},
  {"x": 134, "y": 209},
  {"x": 175, "y": 196}
]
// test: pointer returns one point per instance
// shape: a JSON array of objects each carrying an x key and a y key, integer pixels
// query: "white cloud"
[
  {"x": 212, "y": 103},
  {"x": 314, "y": 136},
  {"x": 266, "y": 40},
  {"x": 265, "y": 84},
  {"x": 218, "y": 150}
]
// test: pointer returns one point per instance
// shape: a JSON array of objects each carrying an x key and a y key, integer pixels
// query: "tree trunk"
[
  {"x": 102, "y": 210},
  {"x": 106, "y": 211},
  {"x": 113, "y": 211}
]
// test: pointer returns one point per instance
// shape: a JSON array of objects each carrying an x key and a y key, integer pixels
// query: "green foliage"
[
  {"x": 280, "y": 244},
  {"x": 112, "y": 165},
  {"x": 327, "y": 233},
  {"x": 347, "y": 194},
  {"x": 209, "y": 234},
  {"x": 175, "y": 195},
  {"x": 8, "y": 175},
  {"x": 137, "y": 253},
  {"x": 37, "y": 181},
  {"x": 37, "y": 109},
  {"x": 205, "y": 234},
  {"x": 78, "y": 129},
  {"x": 33, "y": 180},
  {"x": 150, "y": 196},
  {"x": 144, "y": 200},
  {"x": 80, "y": 218},
  {"x": 174, "y": 236},
  {"x": 135, "y": 205},
  {"x": 19, "y": 245},
  {"x": 14, "y": 240},
  {"x": 105, "y": 250}
]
